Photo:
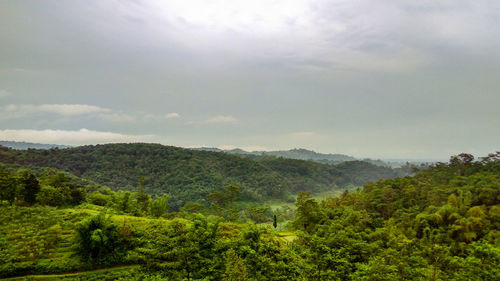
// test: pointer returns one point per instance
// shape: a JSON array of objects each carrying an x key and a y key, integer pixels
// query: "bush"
[
  {"x": 159, "y": 207},
  {"x": 54, "y": 196},
  {"x": 99, "y": 240},
  {"x": 99, "y": 199}
]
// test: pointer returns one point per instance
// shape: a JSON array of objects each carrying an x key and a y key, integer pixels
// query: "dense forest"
[
  {"x": 441, "y": 224},
  {"x": 190, "y": 175}
]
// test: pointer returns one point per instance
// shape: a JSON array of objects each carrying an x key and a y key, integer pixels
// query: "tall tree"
[
  {"x": 8, "y": 186},
  {"x": 235, "y": 268},
  {"x": 308, "y": 211},
  {"x": 30, "y": 187},
  {"x": 159, "y": 206},
  {"x": 99, "y": 240},
  {"x": 143, "y": 199}
]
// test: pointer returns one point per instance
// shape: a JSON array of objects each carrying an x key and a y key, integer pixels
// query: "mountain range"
[{"x": 27, "y": 145}]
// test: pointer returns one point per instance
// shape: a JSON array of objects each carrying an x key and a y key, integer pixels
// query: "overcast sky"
[{"x": 368, "y": 78}]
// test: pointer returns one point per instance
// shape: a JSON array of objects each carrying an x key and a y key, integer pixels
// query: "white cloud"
[
  {"x": 71, "y": 109},
  {"x": 222, "y": 119},
  {"x": 4, "y": 93},
  {"x": 116, "y": 117},
  {"x": 60, "y": 109},
  {"x": 22, "y": 110},
  {"x": 69, "y": 137},
  {"x": 172, "y": 115},
  {"x": 159, "y": 117}
]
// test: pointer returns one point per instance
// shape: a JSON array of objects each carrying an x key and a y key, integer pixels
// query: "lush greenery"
[
  {"x": 191, "y": 175},
  {"x": 440, "y": 224}
]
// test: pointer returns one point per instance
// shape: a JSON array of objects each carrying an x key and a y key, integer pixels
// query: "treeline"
[
  {"x": 21, "y": 186},
  {"x": 191, "y": 175},
  {"x": 49, "y": 187}
]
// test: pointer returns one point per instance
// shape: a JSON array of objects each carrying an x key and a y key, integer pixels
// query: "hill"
[
  {"x": 296, "y": 153},
  {"x": 324, "y": 158},
  {"x": 27, "y": 145},
  {"x": 190, "y": 175},
  {"x": 304, "y": 154}
]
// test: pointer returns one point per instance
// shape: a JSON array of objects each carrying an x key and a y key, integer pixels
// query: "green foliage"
[
  {"x": 259, "y": 214},
  {"x": 182, "y": 249},
  {"x": 8, "y": 186},
  {"x": 100, "y": 199},
  {"x": 99, "y": 240},
  {"x": 143, "y": 199},
  {"x": 308, "y": 212},
  {"x": 431, "y": 226},
  {"x": 222, "y": 202},
  {"x": 54, "y": 196},
  {"x": 30, "y": 187},
  {"x": 37, "y": 239},
  {"x": 235, "y": 268},
  {"x": 159, "y": 206}
]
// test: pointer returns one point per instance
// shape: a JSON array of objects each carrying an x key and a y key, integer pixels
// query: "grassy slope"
[
  {"x": 36, "y": 242},
  {"x": 39, "y": 239}
]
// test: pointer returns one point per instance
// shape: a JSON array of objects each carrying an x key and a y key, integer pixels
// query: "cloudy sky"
[{"x": 369, "y": 78}]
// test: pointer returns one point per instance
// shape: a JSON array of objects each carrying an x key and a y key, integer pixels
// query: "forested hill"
[{"x": 189, "y": 175}]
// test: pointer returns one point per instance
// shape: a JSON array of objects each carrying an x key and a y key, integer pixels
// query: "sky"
[{"x": 369, "y": 78}]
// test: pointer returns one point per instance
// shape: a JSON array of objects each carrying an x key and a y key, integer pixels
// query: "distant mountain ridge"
[
  {"x": 26, "y": 145},
  {"x": 311, "y": 155},
  {"x": 296, "y": 153},
  {"x": 304, "y": 154}
]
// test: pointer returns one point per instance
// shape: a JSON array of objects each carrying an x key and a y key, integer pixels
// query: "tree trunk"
[{"x": 319, "y": 272}]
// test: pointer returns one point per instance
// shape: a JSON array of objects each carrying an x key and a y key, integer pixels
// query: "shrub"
[
  {"x": 99, "y": 199},
  {"x": 99, "y": 240},
  {"x": 54, "y": 196}
]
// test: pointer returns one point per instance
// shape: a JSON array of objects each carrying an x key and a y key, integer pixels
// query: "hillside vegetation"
[
  {"x": 189, "y": 175},
  {"x": 441, "y": 224}
]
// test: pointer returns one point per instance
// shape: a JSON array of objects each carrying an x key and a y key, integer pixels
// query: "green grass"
[
  {"x": 325, "y": 194},
  {"x": 38, "y": 239},
  {"x": 275, "y": 204},
  {"x": 287, "y": 236}
]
